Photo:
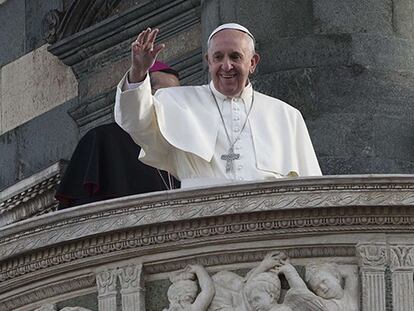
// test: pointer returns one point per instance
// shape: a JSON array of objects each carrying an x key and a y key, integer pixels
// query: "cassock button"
[
  {"x": 236, "y": 119},
  {"x": 240, "y": 167},
  {"x": 236, "y": 129},
  {"x": 241, "y": 178}
]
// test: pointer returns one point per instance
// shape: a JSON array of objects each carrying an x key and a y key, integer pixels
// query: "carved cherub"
[
  {"x": 262, "y": 297},
  {"x": 263, "y": 292},
  {"x": 337, "y": 286},
  {"x": 262, "y": 288},
  {"x": 259, "y": 290},
  {"x": 182, "y": 294}
]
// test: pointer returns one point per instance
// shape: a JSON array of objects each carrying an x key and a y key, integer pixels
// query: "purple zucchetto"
[{"x": 160, "y": 66}]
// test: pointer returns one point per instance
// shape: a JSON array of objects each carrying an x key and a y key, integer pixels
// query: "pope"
[{"x": 216, "y": 133}]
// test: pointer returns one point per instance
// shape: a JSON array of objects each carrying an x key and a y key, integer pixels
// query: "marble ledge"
[{"x": 326, "y": 193}]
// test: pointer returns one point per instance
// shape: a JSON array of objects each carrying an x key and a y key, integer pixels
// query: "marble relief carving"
[
  {"x": 182, "y": 294},
  {"x": 51, "y": 307},
  {"x": 327, "y": 287},
  {"x": 132, "y": 288},
  {"x": 372, "y": 261}
]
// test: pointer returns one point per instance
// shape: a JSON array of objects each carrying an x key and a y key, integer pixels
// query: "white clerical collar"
[{"x": 246, "y": 94}]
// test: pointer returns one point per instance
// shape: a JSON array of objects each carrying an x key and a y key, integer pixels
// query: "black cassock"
[{"x": 105, "y": 165}]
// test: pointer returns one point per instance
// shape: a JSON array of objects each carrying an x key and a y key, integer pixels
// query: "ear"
[
  {"x": 254, "y": 62},
  {"x": 206, "y": 57}
]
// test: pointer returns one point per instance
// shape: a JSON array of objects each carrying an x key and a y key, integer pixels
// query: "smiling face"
[{"x": 231, "y": 59}]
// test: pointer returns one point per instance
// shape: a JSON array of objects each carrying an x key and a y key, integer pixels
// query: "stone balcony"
[{"x": 119, "y": 254}]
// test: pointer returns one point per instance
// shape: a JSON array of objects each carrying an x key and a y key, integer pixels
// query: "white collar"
[{"x": 245, "y": 95}]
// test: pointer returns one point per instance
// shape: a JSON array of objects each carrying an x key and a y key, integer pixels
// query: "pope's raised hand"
[{"x": 144, "y": 52}]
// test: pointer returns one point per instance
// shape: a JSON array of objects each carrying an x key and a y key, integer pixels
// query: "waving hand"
[{"x": 143, "y": 54}]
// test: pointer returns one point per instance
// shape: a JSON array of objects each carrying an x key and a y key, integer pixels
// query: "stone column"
[
  {"x": 372, "y": 262},
  {"x": 402, "y": 267},
  {"x": 106, "y": 283},
  {"x": 347, "y": 65},
  {"x": 132, "y": 289}
]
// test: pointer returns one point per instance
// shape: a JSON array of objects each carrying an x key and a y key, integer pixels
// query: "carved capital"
[
  {"x": 106, "y": 282},
  {"x": 131, "y": 278},
  {"x": 401, "y": 257},
  {"x": 372, "y": 255}
]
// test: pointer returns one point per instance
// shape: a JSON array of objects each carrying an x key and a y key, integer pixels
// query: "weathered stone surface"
[
  {"x": 12, "y": 30},
  {"x": 382, "y": 52},
  {"x": 349, "y": 16},
  {"x": 155, "y": 298},
  {"x": 32, "y": 85},
  {"x": 32, "y": 196},
  {"x": 37, "y": 144},
  {"x": 278, "y": 18},
  {"x": 403, "y": 23},
  {"x": 1, "y": 108},
  {"x": 34, "y": 13},
  {"x": 89, "y": 301},
  {"x": 8, "y": 160},
  {"x": 394, "y": 137}
]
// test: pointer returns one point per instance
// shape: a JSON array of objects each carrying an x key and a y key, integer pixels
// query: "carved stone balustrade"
[{"x": 119, "y": 254}]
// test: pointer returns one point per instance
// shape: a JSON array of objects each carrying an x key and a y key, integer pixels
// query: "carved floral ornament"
[
  {"x": 402, "y": 257},
  {"x": 188, "y": 232},
  {"x": 372, "y": 254}
]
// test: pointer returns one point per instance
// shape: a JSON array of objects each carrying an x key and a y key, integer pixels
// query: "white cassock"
[{"x": 180, "y": 130}]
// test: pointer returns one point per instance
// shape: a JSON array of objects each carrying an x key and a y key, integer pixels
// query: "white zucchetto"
[{"x": 230, "y": 26}]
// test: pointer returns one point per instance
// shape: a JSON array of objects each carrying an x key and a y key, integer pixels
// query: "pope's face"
[{"x": 231, "y": 60}]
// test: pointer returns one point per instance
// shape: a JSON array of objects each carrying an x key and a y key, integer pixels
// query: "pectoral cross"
[{"x": 229, "y": 158}]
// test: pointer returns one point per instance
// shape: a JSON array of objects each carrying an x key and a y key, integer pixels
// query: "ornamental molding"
[
  {"x": 235, "y": 228},
  {"x": 184, "y": 205},
  {"x": 49, "y": 290},
  {"x": 32, "y": 196},
  {"x": 78, "y": 16},
  {"x": 154, "y": 223},
  {"x": 171, "y": 16}
]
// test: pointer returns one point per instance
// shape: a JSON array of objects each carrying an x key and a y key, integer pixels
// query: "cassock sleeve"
[{"x": 134, "y": 112}]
